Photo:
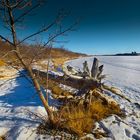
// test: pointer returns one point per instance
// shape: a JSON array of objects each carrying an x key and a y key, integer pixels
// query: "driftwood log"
[{"x": 85, "y": 81}]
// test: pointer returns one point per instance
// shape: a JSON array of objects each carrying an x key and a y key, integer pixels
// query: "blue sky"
[
  {"x": 106, "y": 27},
  {"x": 109, "y": 41}
]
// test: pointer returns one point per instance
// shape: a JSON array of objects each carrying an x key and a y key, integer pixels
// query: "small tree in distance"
[{"x": 10, "y": 18}]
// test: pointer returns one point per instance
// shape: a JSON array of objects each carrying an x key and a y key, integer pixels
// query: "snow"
[
  {"x": 122, "y": 72},
  {"x": 18, "y": 99},
  {"x": 42, "y": 66}
]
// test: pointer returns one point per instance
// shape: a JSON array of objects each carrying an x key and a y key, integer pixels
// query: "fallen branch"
[{"x": 115, "y": 91}]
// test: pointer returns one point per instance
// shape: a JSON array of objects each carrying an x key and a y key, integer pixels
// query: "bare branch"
[
  {"x": 61, "y": 15},
  {"x": 71, "y": 28},
  {"x": 38, "y": 32},
  {"x": 16, "y": 4},
  {"x": 21, "y": 4},
  {"x": 27, "y": 12},
  {"x": 6, "y": 40},
  {"x": 4, "y": 4}
]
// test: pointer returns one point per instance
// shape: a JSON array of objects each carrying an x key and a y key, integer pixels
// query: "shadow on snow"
[{"x": 21, "y": 94}]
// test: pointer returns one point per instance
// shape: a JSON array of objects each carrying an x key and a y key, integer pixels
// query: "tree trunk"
[
  {"x": 38, "y": 89},
  {"x": 28, "y": 68}
]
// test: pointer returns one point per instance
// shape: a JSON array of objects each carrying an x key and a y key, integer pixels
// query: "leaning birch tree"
[{"x": 10, "y": 18}]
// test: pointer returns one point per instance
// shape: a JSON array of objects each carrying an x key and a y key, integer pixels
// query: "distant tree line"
[{"x": 134, "y": 53}]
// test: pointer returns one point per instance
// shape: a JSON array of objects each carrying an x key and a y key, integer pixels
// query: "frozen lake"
[{"x": 121, "y": 71}]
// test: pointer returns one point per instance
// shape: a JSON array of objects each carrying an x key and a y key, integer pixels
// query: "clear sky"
[{"x": 106, "y": 27}]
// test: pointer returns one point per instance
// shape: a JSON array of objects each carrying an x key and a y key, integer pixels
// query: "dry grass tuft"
[
  {"x": 99, "y": 110},
  {"x": 1, "y": 76},
  {"x": 2, "y": 138},
  {"x": 2, "y": 63},
  {"x": 79, "y": 119}
]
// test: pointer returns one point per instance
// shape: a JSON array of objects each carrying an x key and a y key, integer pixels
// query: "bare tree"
[{"x": 8, "y": 9}]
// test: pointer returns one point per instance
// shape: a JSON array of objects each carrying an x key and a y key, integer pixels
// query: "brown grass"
[
  {"x": 60, "y": 61},
  {"x": 79, "y": 119},
  {"x": 58, "y": 55},
  {"x": 99, "y": 110},
  {"x": 1, "y": 76},
  {"x": 2, "y": 63},
  {"x": 2, "y": 138}
]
